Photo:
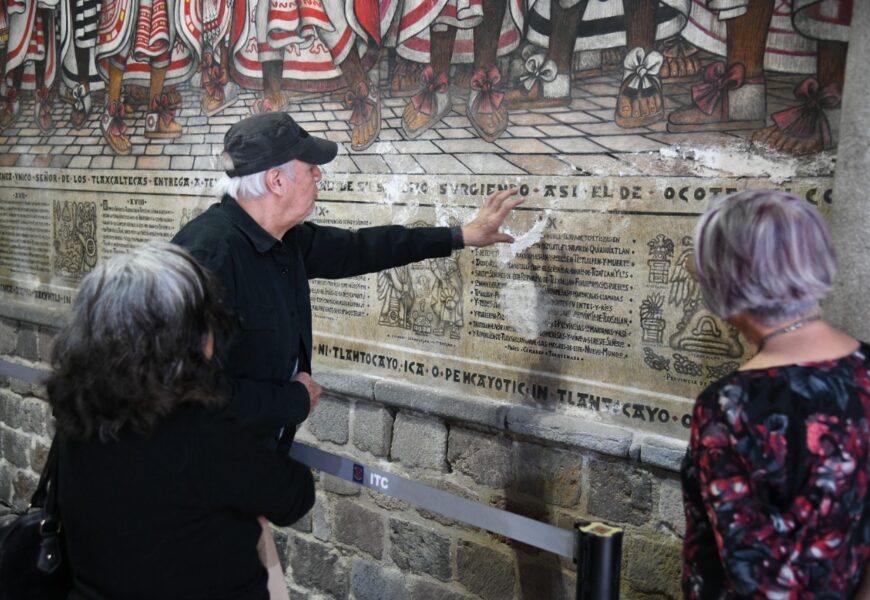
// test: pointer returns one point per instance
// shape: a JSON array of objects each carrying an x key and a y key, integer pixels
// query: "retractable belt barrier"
[
  {"x": 23, "y": 373},
  {"x": 595, "y": 547}
]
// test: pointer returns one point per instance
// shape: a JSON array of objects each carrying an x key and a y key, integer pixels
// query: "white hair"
[{"x": 248, "y": 187}]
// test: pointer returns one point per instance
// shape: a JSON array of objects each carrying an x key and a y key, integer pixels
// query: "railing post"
[{"x": 599, "y": 560}]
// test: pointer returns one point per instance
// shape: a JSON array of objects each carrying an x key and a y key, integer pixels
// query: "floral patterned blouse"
[{"x": 775, "y": 483}]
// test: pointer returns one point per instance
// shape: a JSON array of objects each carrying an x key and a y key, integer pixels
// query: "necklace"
[{"x": 787, "y": 329}]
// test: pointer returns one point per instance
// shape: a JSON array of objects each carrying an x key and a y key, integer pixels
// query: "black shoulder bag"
[{"x": 31, "y": 561}]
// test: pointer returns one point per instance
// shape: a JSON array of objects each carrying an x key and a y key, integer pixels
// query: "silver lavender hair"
[{"x": 763, "y": 252}]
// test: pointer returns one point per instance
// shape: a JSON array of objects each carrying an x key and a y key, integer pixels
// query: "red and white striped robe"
[
  {"x": 311, "y": 37},
  {"x": 215, "y": 22},
  {"x": 787, "y": 50},
  {"x": 418, "y": 16},
  {"x": 136, "y": 35},
  {"x": 28, "y": 41}
]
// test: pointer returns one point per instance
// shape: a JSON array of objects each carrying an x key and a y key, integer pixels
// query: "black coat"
[
  {"x": 266, "y": 286},
  {"x": 173, "y": 514}
]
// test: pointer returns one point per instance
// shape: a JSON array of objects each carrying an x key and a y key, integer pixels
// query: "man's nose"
[{"x": 316, "y": 172}]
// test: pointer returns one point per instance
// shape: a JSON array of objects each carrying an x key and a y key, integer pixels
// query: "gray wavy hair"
[
  {"x": 763, "y": 252},
  {"x": 134, "y": 347}
]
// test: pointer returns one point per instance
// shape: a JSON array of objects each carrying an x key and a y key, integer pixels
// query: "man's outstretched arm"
[{"x": 332, "y": 252}]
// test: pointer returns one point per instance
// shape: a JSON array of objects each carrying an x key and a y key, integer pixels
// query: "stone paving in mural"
[{"x": 579, "y": 139}]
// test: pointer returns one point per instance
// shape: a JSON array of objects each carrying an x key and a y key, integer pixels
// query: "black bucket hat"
[{"x": 272, "y": 139}]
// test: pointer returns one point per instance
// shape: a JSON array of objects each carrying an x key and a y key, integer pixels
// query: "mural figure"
[
  {"x": 813, "y": 125},
  {"x": 461, "y": 31},
  {"x": 29, "y": 60},
  {"x": 486, "y": 57},
  {"x": 396, "y": 293},
  {"x": 214, "y": 69},
  {"x": 292, "y": 49},
  {"x": 733, "y": 94},
  {"x": 79, "y": 22},
  {"x": 139, "y": 42},
  {"x": 446, "y": 300},
  {"x": 425, "y": 297},
  {"x": 566, "y": 27},
  {"x": 792, "y": 36}
]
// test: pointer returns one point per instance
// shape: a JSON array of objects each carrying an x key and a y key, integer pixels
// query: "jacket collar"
[{"x": 262, "y": 240}]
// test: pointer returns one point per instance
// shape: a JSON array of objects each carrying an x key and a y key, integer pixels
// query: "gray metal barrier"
[{"x": 596, "y": 548}]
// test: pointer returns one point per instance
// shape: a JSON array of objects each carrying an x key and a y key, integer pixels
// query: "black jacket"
[
  {"x": 173, "y": 514},
  {"x": 266, "y": 286}
]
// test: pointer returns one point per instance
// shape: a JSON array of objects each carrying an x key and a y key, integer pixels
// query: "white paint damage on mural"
[
  {"x": 508, "y": 252},
  {"x": 449, "y": 212},
  {"x": 527, "y": 307},
  {"x": 739, "y": 160}
]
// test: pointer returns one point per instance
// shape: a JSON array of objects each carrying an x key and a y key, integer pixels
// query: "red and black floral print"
[{"x": 775, "y": 483}]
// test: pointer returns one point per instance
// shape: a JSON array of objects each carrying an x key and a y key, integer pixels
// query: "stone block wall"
[
  {"x": 25, "y": 424},
  {"x": 358, "y": 544},
  {"x": 380, "y": 547}
]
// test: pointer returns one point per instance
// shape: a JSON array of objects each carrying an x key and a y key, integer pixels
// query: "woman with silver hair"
[
  {"x": 159, "y": 490},
  {"x": 775, "y": 480}
]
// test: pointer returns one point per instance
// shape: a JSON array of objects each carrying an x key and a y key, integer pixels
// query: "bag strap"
[
  {"x": 50, "y": 555},
  {"x": 45, "y": 492}
]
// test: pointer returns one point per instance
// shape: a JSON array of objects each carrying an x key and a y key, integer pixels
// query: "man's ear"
[{"x": 273, "y": 180}]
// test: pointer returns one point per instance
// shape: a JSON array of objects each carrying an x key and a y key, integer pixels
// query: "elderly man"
[{"x": 257, "y": 243}]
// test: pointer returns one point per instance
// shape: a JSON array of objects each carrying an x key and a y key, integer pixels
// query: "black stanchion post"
[{"x": 599, "y": 561}]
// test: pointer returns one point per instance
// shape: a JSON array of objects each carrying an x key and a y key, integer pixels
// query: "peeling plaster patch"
[
  {"x": 403, "y": 213},
  {"x": 508, "y": 252},
  {"x": 740, "y": 162},
  {"x": 741, "y": 159},
  {"x": 447, "y": 213},
  {"x": 406, "y": 214},
  {"x": 393, "y": 189},
  {"x": 527, "y": 307}
]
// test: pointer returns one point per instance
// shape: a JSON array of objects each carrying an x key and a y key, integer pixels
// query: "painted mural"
[
  {"x": 114, "y": 62},
  {"x": 618, "y": 120}
]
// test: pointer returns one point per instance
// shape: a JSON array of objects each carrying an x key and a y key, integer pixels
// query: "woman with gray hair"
[
  {"x": 159, "y": 490},
  {"x": 775, "y": 480}
]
